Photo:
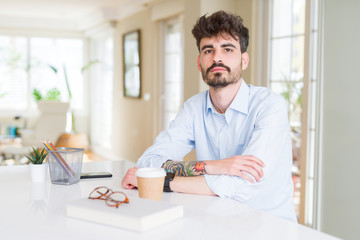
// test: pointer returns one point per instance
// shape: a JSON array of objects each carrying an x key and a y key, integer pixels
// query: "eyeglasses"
[{"x": 112, "y": 199}]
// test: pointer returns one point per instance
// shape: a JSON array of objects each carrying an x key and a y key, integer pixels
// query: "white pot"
[
  {"x": 38, "y": 172},
  {"x": 53, "y": 107}
]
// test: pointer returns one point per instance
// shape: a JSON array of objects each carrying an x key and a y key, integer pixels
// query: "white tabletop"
[{"x": 37, "y": 211}]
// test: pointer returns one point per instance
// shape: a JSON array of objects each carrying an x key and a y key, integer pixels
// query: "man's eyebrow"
[
  {"x": 223, "y": 46},
  {"x": 207, "y": 46},
  {"x": 228, "y": 45}
]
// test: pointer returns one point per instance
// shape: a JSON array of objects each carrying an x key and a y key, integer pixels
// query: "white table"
[{"x": 37, "y": 211}]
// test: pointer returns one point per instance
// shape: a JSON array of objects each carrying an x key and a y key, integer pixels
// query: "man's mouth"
[{"x": 218, "y": 68}]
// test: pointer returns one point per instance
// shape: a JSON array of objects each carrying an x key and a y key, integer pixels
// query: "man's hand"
[
  {"x": 246, "y": 167},
  {"x": 130, "y": 181}
]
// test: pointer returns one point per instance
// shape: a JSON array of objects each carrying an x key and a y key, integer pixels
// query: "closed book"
[{"x": 138, "y": 215}]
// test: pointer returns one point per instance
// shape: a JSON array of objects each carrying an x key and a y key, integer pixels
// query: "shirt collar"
[
  {"x": 209, "y": 105},
  {"x": 240, "y": 102}
]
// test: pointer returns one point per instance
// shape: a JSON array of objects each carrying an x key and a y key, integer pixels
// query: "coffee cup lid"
[{"x": 150, "y": 172}]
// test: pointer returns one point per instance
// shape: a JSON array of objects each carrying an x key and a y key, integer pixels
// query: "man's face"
[{"x": 220, "y": 61}]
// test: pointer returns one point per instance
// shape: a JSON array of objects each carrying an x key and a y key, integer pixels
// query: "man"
[{"x": 240, "y": 132}]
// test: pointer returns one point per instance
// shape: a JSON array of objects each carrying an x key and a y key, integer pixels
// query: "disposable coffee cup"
[{"x": 151, "y": 182}]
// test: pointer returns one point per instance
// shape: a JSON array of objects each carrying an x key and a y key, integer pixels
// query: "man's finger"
[
  {"x": 256, "y": 167},
  {"x": 257, "y": 160},
  {"x": 246, "y": 177},
  {"x": 253, "y": 173}
]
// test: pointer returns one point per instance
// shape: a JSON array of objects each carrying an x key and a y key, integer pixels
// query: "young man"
[{"x": 240, "y": 132}]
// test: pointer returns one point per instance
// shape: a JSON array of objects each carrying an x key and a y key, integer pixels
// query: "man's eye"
[
  {"x": 208, "y": 51},
  {"x": 228, "y": 50}
]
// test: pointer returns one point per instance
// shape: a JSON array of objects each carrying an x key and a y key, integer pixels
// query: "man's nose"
[{"x": 217, "y": 57}]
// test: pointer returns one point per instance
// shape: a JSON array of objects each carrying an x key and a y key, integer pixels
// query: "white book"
[{"x": 138, "y": 215}]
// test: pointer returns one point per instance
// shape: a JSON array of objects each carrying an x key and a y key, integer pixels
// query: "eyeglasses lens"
[
  {"x": 99, "y": 192},
  {"x": 116, "y": 198}
]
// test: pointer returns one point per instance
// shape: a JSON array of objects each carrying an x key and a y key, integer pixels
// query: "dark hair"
[{"x": 220, "y": 23}]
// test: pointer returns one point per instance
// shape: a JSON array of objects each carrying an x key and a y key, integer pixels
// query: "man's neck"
[{"x": 221, "y": 98}]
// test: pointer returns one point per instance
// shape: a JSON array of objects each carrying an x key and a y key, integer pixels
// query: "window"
[
  {"x": 102, "y": 94},
  {"x": 13, "y": 73},
  {"x": 172, "y": 86},
  {"x": 25, "y": 65},
  {"x": 66, "y": 55},
  {"x": 312, "y": 137},
  {"x": 293, "y": 64},
  {"x": 286, "y": 77}
]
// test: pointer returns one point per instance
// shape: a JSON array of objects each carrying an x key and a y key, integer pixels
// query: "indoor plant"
[
  {"x": 52, "y": 94},
  {"x": 83, "y": 69},
  {"x": 38, "y": 168},
  {"x": 50, "y": 102},
  {"x": 72, "y": 138}
]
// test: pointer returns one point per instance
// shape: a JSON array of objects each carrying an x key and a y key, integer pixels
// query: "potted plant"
[
  {"x": 38, "y": 168},
  {"x": 50, "y": 103},
  {"x": 51, "y": 122},
  {"x": 73, "y": 138},
  {"x": 83, "y": 69},
  {"x": 52, "y": 95}
]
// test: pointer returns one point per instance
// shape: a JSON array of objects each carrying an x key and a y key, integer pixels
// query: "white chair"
[{"x": 49, "y": 125}]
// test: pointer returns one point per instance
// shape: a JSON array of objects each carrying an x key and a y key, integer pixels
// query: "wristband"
[{"x": 168, "y": 178}]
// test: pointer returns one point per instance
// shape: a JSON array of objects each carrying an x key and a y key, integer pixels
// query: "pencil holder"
[{"x": 65, "y": 165}]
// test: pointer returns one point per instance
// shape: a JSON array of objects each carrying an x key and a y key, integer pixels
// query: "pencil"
[{"x": 50, "y": 147}]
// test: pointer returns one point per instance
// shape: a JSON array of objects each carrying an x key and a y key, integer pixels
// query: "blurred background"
[{"x": 109, "y": 75}]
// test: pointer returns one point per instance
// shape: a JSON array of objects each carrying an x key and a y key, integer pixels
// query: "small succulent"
[{"x": 37, "y": 156}]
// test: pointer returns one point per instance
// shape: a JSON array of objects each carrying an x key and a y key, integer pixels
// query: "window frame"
[
  {"x": 105, "y": 33},
  {"x": 162, "y": 96},
  {"x": 311, "y": 105},
  {"x": 30, "y": 109}
]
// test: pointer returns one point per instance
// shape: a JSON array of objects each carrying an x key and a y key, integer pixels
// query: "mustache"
[{"x": 218, "y": 65}]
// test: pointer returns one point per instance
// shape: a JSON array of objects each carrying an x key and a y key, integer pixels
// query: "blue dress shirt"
[{"x": 255, "y": 123}]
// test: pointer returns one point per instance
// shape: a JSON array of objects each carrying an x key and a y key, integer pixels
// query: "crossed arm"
[
  {"x": 248, "y": 167},
  {"x": 189, "y": 177}
]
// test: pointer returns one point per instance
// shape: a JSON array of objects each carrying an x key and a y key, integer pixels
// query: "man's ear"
[
  {"x": 198, "y": 63},
  {"x": 244, "y": 60}
]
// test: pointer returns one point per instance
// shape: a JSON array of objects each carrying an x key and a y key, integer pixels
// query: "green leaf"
[
  {"x": 286, "y": 95},
  {"x": 31, "y": 160},
  {"x": 37, "y": 95},
  {"x": 87, "y": 66},
  {"x": 53, "y": 94},
  {"x": 67, "y": 82},
  {"x": 53, "y": 68},
  {"x": 43, "y": 155},
  {"x": 35, "y": 153},
  {"x": 36, "y": 157},
  {"x": 3, "y": 94}
]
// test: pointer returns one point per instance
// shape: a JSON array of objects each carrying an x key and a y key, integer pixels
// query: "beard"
[{"x": 220, "y": 79}]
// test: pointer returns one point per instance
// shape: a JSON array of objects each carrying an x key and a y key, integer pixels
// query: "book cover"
[{"x": 138, "y": 215}]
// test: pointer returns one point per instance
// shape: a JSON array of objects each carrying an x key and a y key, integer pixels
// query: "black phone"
[{"x": 95, "y": 175}]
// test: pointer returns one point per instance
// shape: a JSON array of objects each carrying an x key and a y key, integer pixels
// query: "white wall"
[
  {"x": 340, "y": 195},
  {"x": 133, "y": 118}
]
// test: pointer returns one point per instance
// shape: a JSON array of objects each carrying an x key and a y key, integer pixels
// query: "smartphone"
[{"x": 95, "y": 175}]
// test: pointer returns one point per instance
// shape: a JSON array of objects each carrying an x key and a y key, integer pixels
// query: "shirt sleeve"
[
  {"x": 270, "y": 142},
  {"x": 173, "y": 143}
]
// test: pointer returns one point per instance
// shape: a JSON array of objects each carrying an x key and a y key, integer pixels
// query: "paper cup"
[{"x": 151, "y": 182}]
